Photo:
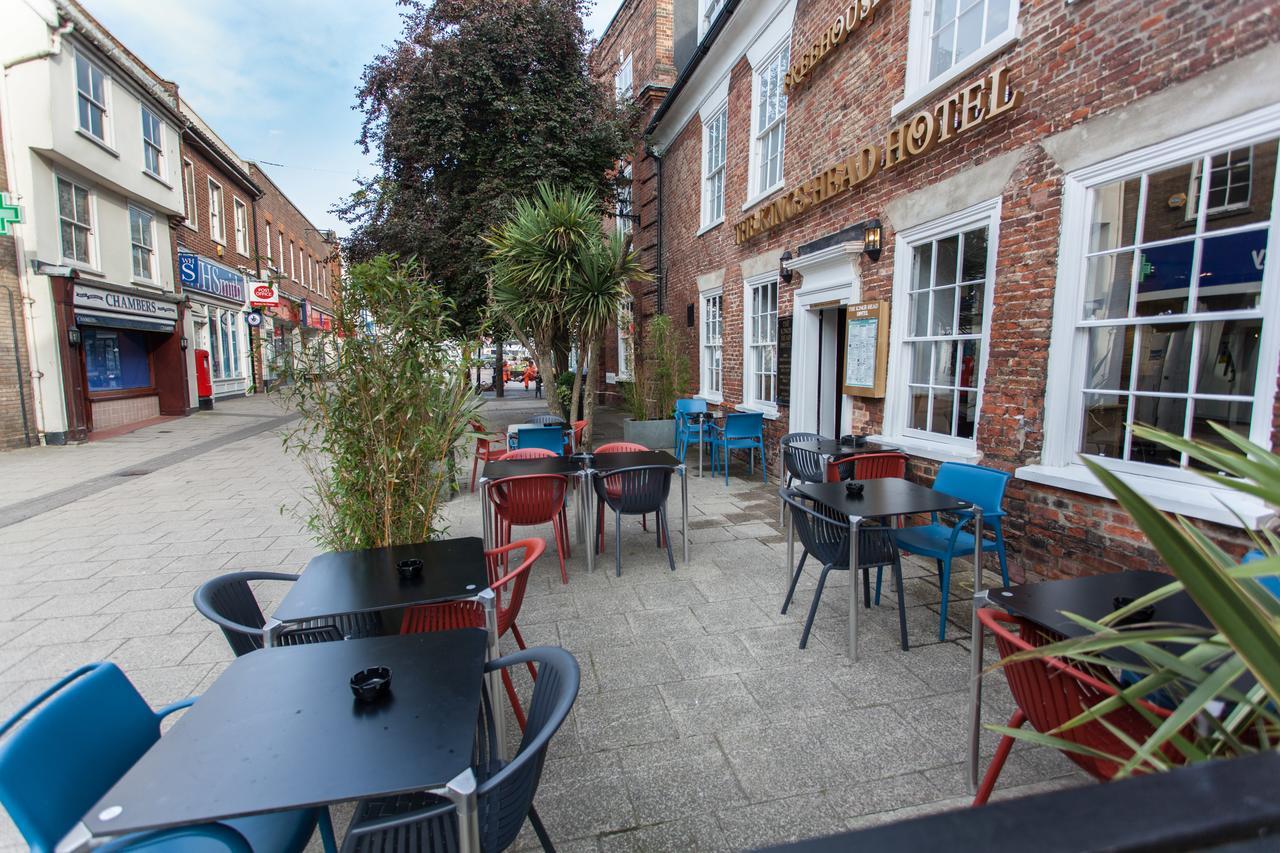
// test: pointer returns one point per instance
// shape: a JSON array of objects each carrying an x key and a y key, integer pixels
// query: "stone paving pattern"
[{"x": 700, "y": 724}]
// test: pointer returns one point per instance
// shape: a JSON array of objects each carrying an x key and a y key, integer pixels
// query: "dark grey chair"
[
  {"x": 229, "y": 602},
  {"x": 825, "y": 535},
  {"x": 425, "y": 822},
  {"x": 801, "y": 465},
  {"x": 547, "y": 420},
  {"x": 640, "y": 490}
]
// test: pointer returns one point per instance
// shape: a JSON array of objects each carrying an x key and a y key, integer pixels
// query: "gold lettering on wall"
[
  {"x": 958, "y": 113},
  {"x": 846, "y": 24}
]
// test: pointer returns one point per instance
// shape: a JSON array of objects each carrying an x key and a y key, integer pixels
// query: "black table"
[
  {"x": 1093, "y": 597},
  {"x": 279, "y": 730},
  {"x": 887, "y": 497},
  {"x": 603, "y": 463},
  {"x": 833, "y": 449},
  {"x": 365, "y": 581}
]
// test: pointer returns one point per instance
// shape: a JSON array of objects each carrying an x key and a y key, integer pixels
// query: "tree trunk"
[
  {"x": 499, "y": 388},
  {"x": 575, "y": 398},
  {"x": 593, "y": 382}
]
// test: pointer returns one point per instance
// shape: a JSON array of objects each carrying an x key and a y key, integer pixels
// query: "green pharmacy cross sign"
[{"x": 10, "y": 214}]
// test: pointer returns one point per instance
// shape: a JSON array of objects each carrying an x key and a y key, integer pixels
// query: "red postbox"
[{"x": 204, "y": 379}]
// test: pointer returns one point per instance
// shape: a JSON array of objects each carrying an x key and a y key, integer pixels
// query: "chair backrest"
[
  {"x": 579, "y": 429},
  {"x": 85, "y": 732},
  {"x": 977, "y": 484},
  {"x": 547, "y": 437},
  {"x": 634, "y": 491},
  {"x": 690, "y": 404},
  {"x": 824, "y": 533},
  {"x": 505, "y": 797},
  {"x": 530, "y": 453},
  {"x": 509, "y": 586},
  {"x": 878, "y": 466},
  {"x": 744, "y": 425},
  {"x": 529, "y": 498},
  {"x": 547, "y": 420},
  {"x": 228, "y": 602},
  {"x": 802, "y": 465},
  {"x": 620, "y": 447},
  {"x": 1051, "y": 692}
]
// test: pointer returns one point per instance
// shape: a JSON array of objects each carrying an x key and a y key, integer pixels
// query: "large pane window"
[
  {"x": 762, "y": 343},
  {"x": 961, "y": 27},
  {"x": 626, "y": 340},
  {"x": 189, "y": 194},
  {"x": 216, "y": 230},
  {"x": 712, "y": 346},
  {"x": 944, "y": 341},
  {"x": 1169, "y": 324},
  {"x": 715, "y": 145},
  {"x": 91, "y": 98},
  {"x": 74, "y": 222},
  {"x": 142, "y": 238},
  {"x": 115, "y": 359},
  {"x": 152, "y": 143},
  {"x": 623, "y": 215},
  {"x": 242, "y": 226},
  {"x": 770, "y": 121}
]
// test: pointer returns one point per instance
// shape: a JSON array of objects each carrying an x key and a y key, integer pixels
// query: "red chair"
[
  {"x": 579, "y": 430},
  {"x": 532, "y": 499},
  {"x": 1051, "y": 691},
  {"x": 613, "y": 488},
  {"x": 868, "y": 466},
  {"x": 530, "y": 453},
  {"x": 489, "y": 448},
  {"x": 509, "y": 589}
]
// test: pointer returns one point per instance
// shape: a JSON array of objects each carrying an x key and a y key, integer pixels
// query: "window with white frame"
[
  {"x": 152, "y": 143},
  {"x": 280, "y": 250},
  {"x": 189, "y": 193},
  {"x": 946, "y": 332},
  {"x": 75, "y": 225},
  {"x": 266, "y": 228},
  {"x": 91, "y": 97},
  {"x": 622, "y": 215},
  {"x": 626, "y": 340},
  {"x": 712, "y": 350},
  {"x": 1169, "y": 319},
  {"x": 761, "y": 336},
  {"x": 215, "y": 212},
  {"x": 142, "y": 226},
  {"x": 714, "y": 148},
  {"x": 293, "y": 264},
  {"x": 225, "y": 337},
  {"x": 770, "y": 122},
  {"x": 241, "y": 218},
  {"x": 622, "y": 83},
  {"x": 709, "y": 10},
  {"x": 948, "y": 37}
]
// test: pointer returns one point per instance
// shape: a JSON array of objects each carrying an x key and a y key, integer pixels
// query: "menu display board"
[
  {"x": 866, "y": 352},
  {"x": 784, "y": 361}
]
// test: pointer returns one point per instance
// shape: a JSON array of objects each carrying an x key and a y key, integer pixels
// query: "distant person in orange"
[
  {"x": 506, "y": 372},
  {"x": 530, "y": 373}
]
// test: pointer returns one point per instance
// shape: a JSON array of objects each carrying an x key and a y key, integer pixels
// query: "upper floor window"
[
  {"x": 714, "y": 147},
  {"x": 770, "y": 122},
  {"x": 622, "y": 83},
  {"x": 215, "y": 212},
  {"x": 189, "y": 193},
  {"x": 948, "y": 37},
  {"x": 152, "y": 143},
  {"x": 710, "y": 9},
  {"x": 241, "y": 213},
  {"x": 711, "y": 334},
  {"x": 1230, "y": 182},
  {"x": 91, "y": 97},
  {"x": 280, "y": 250},
  {"x": 293, "y": 264},
  {"x": 75, "y": 224},
  {"x": 142, "y": 237},
  {"x": 762, "y": 343},
  {"x": 270, "y": 255},
  {"x": 626, "y": 340},
  {"x": 623, "y": 217}
]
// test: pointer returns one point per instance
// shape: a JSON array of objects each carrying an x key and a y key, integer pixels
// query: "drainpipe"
[
  {"x": 54, "y": 49},
  {"x": 661, "y": 275}
]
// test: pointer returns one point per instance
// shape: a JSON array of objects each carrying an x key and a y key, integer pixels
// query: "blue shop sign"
[
  {"x": 196, "y": 273},
  {"x": 1228, "y": 263}
]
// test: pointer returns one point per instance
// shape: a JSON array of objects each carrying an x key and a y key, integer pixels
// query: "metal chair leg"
[
  {"x": 813, "y": 608},
  {"x": 866, "y": 588},
  {"x": 794, "y": 580},
  {"x": 666, "y": 535},
  {"x": 902, "y": 604},
  {"x": 617, "y": 541},
  {"x": 540, "y": 831}
]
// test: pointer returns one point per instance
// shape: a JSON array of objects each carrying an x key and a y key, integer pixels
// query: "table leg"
[
  {"x": 975, "y": 654},
  {"x": 579, "y": 530},
  {"x": 791, "y": 546},
  {"x": 271, "y": 632},
  {"x": 588, "y": 502},
  {"x": 489, "y": 601},
  {"x": 700, "y": 443},
  {"x": 486, "y": 509},
  {"x": 854, "y": 521},
  {"x": 461, "y": 791},
  {"x": 684, "y": 509}
]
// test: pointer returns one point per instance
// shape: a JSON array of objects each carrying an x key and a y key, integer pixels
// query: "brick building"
[
  {"x": 305, "y": 264},
  {"x": 17, "y": 415},
  {"x": 1073, "y": 204},
  {"x": 216, "y": 259}
]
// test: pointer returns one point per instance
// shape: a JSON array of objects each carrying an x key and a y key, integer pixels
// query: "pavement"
[{"x": 700, "y": 724}]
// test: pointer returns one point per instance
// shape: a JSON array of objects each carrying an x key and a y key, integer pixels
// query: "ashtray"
[
  {"x": 853, "y": 490},
  {"x": 370, "y": 685},
  {"x": 410, "y": 568},
  {"x": 1144, "y": 614}
]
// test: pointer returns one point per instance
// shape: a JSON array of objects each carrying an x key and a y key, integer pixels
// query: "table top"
[
  {"x": 517, "y": 427},
  {"x": 365, "y": 581},
  {"x": 832, "y": 447},
  {"x": 1093, "y": 597},
  {"x": 280, "y": 730},
  {"x": 606, "y": 462},
  {"x": 499, "y": 468},
  {"x": 709, "y": 414},
  {"x": 887, "y": 496}
]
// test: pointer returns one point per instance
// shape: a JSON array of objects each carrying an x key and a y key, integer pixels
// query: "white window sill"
[
  {"x": 710, "y": 398},
  {"x": 98, "y": 142},
  {"x": 192, "y": 227},
  {"x": 1193, "y": 500},
  {"x": 710, "y": 225},
  {"x": 761, "y": 196},
  {"x": 159, "y": 180},
  {"x": 938, "y": 451},
  {"x": 770, "y": 412},
  {"x": 919, "y": 93},
  {"x": 83, "y": 268}
]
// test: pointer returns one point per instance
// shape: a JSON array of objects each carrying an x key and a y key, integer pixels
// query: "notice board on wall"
[
  {"x": 784, "y": 361},
  {"x": 866, "y": 349}
]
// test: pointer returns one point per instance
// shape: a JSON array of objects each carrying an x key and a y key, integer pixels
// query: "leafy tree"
[{"x": 468, "y": 110}]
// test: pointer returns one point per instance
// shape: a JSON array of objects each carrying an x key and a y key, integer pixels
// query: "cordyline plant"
[
  {"x": 1223, "y": 683},
  {"x": 383, "y": 411}
]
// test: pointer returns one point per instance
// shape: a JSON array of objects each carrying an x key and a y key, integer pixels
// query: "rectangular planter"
[{"x": 655, "y": 435}]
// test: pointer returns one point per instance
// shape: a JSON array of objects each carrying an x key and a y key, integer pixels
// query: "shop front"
[
  {"x": 279, "y": 339},
  {"x": 216, "y": 321},
  {"x": 317, "y": 329}
]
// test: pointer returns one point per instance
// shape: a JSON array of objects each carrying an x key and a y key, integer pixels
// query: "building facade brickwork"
[{"x": 17, "y": 415}]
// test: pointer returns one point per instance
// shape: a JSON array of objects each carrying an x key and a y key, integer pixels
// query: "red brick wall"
[
  {"x": 279, "y": 215},
  {"x": 15, "y": 363},
  {"x": 196, "y": 234},
  {"x": 1072, "y": 62}
]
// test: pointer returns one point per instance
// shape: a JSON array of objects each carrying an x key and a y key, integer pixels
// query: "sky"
[{"x": 276, "y": 79}]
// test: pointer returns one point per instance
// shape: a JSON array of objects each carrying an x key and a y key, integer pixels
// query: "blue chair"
[
  {"x": 1271, "y": 583},
  {"x": 979, "y": 485},
  {"x": 741, "y": 431},
  {"x": 687, "y": 428},
  {"x": 89, "y": 729},
  {"x": 548, "y": 438}
]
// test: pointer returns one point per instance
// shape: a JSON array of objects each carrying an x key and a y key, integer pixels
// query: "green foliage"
[
  {"x": 473, "y": 105},
  {"x": 1199, "y": 670},
  {"x": 661, "y": 373},
  {"x": 634, "y": 400},
  {"x": 382, "y": 414},
  {"x": 564, "y": 389}
]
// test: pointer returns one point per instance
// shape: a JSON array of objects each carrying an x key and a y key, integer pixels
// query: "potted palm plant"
[{"x": 660, "y": 377}]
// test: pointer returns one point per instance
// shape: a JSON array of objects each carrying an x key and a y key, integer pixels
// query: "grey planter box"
[{"x": 655, "y": 435}]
